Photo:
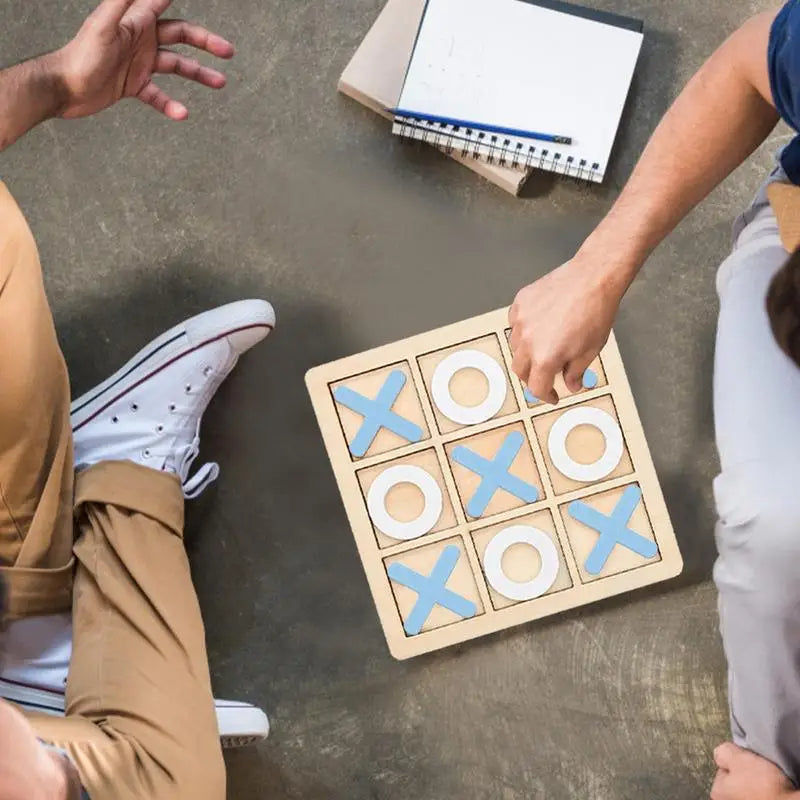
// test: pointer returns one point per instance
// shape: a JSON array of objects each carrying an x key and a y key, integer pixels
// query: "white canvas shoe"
[
  {"x": 150, "y": 410},
  {"x": 37, "y": 652},
  {"x": 240, "y": 724}
]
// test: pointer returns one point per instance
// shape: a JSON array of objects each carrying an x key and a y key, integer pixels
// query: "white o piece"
[
  {"x": 385, "y": 482},
  {"x": 597, "y": 418},
  {"x": 469, "y": 359},
  {"x": 521, "y": 590}
]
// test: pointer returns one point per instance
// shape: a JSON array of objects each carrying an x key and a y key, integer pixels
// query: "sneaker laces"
[{"x": 183, "y": 459}]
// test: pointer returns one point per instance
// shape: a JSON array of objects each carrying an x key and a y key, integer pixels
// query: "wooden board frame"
[{"x": 345, "y": 467}]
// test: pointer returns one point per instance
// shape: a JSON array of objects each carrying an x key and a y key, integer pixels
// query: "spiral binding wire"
[{"x": 506, "y": 151}]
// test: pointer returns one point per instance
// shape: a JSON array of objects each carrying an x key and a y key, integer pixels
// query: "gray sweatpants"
[{"x": 757, "y": 419}]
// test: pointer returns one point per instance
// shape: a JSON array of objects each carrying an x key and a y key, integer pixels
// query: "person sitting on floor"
[{"x": 92, "y": 495}]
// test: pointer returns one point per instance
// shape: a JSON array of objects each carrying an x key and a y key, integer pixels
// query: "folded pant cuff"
[
  {"x": 33, "y": 591},
  {"x": 125, "y": 484}
]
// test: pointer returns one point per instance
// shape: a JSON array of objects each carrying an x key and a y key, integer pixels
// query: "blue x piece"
[
  {"x": 432, "y": 590},
  {"x": 378, "y": 413},
  {"x": 613, "y": 529},
  {"x": 495, "y": 474}
]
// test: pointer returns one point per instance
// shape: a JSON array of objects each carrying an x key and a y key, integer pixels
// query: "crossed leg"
[
  {"x": 756, "y": 391},
  {"x": 140, "y": 715}
]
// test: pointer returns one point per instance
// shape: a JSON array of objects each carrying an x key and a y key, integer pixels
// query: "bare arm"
[
  {"x": 718, "y": 120},
  {"x": 30, "y": 93},
  {"x": 721, "y": 116}
]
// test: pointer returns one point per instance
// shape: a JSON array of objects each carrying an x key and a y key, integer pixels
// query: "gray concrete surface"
[{"x": 279, "y": 188}]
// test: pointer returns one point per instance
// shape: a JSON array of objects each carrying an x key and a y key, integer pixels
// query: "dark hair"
[{"x": 783, "y": 307}]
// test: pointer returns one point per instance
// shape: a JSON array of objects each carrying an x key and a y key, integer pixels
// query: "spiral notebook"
[
  {"x": 520, "y": 83},
  {"x": 374, "y": 77}
]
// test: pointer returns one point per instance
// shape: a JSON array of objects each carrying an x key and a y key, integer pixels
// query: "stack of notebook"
[{"x": 502, "y": 86}]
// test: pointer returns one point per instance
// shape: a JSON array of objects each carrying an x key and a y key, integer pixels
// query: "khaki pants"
[{"x": 140, "y": 719}]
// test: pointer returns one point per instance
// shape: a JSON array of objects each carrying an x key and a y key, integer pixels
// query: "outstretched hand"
[{"x": 121, "y": 46}]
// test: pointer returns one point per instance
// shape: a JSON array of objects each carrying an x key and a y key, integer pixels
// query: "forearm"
[
  {"x": 719, "y": 119},
  {"x": 30, "y": 93}
]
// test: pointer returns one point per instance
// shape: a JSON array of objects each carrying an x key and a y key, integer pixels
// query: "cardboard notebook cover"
[{"x": 374, "y": 77}]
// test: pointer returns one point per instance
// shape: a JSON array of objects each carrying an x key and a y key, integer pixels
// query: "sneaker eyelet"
[
  {"x": 146, "y": 453},
  {"x": 159, "y": 428},
  {"x": 172, "y": 407},
  {"x": 115, "y": 419},
  {"x": 207, "y": 371},
  {"x": 188, "y": 388},
  {"x": 134, "y": 407}
]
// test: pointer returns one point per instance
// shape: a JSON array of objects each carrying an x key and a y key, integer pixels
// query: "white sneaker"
[
  {"x": 240, "y": 724},
  {"x": 150, "y": 411},
  {"x": 34, "y": 673}
]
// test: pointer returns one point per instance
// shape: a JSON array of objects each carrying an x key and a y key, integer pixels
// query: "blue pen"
[{"x": 479, "y": 126}]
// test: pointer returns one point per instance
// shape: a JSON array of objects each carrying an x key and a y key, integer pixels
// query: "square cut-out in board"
[
  {"x": 522, "y": 559},
  {"x": 495, "y": 471},
  {"x": 610, "y": 532},
  {"x": 380, "y": 410},
  {"x": 433, "y": 586},
  {"x": 468, "y": 384},
  {"x": 407, "y": 498},
  {"x": 594, "y": 377},
  {"x": 583, "y": 444}
]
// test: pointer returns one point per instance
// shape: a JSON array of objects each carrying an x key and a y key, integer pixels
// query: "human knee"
[{"x": 759, "y": 538}]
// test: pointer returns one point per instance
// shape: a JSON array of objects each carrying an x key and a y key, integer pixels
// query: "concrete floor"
[{"x": 279, "y": 188}]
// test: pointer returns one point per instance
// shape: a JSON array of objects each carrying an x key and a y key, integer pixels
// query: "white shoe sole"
[
  {"x": 175, "y": 343},
  {"x": 240, "y": 724}
]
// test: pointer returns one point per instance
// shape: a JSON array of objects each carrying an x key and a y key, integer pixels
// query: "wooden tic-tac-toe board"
[{"x": 476, "y": 507}]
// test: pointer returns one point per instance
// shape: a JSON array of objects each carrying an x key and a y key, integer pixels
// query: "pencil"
[{"x": 480, "y": 126}]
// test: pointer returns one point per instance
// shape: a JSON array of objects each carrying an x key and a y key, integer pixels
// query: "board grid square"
[{"x": 493, "y": 474}]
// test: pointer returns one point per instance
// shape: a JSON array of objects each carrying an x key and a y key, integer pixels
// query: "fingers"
[
  {"x": 724, "y": 755},
  {"x": 108, "y": 15},
  {"x": 573, "y": 372},
  {"x": 513, "y": 315},
  {"x": 157, "y": 7},
  {"x": 178, "y": 31},
  {"x": 539, "y": 378},
  {"x": 521, "y": 364},
  {"x": 718, "y": 788},
  {"x": 161, "y": 101},
  {"x": 540, "y": 381},
  {"x": 535, "y": 379},
  {"x": 169, "y": 63}
]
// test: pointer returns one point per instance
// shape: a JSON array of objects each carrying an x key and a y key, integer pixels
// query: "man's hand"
[
  {"x": 121, "y": 46},
  {"x": 743, "y": 775},
  {"x": 560, "y": 323},
  {"x": 115, "y": 54},
  {"x": 27, "y": 770}
]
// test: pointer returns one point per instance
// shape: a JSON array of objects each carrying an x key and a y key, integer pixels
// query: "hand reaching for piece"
[
  {"x": 742, "y": 775},
  {"x": 559, "y": 324},
  {"x": 119, "y": 48}
]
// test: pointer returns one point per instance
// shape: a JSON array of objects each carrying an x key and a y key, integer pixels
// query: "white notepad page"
[{"x": 513, "y": 64}]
